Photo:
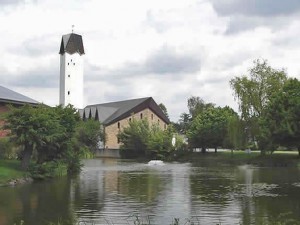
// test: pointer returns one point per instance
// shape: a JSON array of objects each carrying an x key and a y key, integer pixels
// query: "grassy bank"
[
  {"x": 9, "y": 170},
  {"x": 277, "y": 159}
]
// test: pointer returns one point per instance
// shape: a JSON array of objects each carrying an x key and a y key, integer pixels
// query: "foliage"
[
  {"x": 7, "y": 150},
  {"x": 281, "y": 121},
  {"x": 160, "y": 142},
  {"x": 253, "y": 93},
  {"x": 10, "y": 169},
  {"x": 89, "y": 133},
  {"x": 146, "y": 140},
  {"x": 164, "y": 109},
  {"x": 42, "y": 130},
  {"x": 183, "y": 124},
  {"x": 135, "y": 136},
  {"x": 197, "y": 105},
  {"x": 47, "y": 170},
  {"x": 210, "y": 128}
]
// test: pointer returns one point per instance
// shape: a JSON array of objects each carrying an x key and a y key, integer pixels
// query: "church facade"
[{"x": 113, "y": 116}]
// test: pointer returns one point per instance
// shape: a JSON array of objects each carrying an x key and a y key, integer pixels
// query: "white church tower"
[{"x": 71, "y": 71}]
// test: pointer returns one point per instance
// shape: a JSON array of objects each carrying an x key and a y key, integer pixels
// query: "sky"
[{"x": 167, "y": 49}]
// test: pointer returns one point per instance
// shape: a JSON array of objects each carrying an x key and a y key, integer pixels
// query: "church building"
[{"x": 114, "y": 116}]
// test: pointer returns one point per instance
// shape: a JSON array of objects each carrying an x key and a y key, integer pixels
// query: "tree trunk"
[{"x": 26, "y": 156}]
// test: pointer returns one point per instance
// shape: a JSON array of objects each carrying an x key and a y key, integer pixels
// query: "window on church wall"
[
  {"x": 152, "y": 116},
  {"x": 118, "y": 140},
  {"x": 68, "y": 92},
  {"x": 165, "y": 126},
  {"x": 129, "y": 119},
  {"x": 119, "y": 125},
  {"x": 69, "y": 75},
  {"x": 141, "y": 115}
]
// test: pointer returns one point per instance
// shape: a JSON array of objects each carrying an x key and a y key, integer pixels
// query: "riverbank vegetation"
[
  {"x": 269, "y": 104},
  {"x": 49, "y": 141},
  {"x": 9, "y": 170}
]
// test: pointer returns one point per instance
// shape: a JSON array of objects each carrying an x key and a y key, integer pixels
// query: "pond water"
[{"x": 111, "y": 191}]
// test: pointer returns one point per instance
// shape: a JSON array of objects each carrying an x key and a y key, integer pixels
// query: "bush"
[
  {"x": 47, "y": 170},
  {"x": 7, "y": 150}
]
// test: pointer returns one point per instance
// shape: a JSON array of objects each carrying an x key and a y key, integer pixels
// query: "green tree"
[
  {"x": 210, "y": 128},
  {"x": 135, "y": 136},
  {"x": 183, "y": 123},
  {"x": 197, "y": 105},
  {"x": 281, "y": 121},
  {"x": 159, "y": 143},
  {"x": 164, "y": 109},
  {"x": 253, "y": 92},
  {"x": 141, "y": 139},
  {"x": 89, "y": 133},
  {"x": 44, "y": 130}
]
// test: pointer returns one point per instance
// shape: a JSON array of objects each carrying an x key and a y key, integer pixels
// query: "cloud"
[
  {"x": 166, "y": 61},
  {"x": 10, "y": 2},
  {"x": 42, "y": 77},
  {"x": 261, "y": 8},
  {"x": 250, "y": 14}
]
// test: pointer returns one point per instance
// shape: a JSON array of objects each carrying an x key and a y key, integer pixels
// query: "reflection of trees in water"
[
  {"x": 212, "y": 186},
  {"x": 143, "y": 187},
  {"x": 87, "y": 193},
  {"x": 38, "y": 203},
  {"x": 272, "y": 196}
]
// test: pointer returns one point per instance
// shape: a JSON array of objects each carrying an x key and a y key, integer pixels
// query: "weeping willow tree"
[{"x": 253, "y": 92}]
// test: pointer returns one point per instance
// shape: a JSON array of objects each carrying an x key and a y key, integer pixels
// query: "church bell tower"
[{"x": 71, "y": 71}]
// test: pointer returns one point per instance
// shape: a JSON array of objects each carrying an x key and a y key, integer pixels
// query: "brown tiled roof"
[{"x": 71, "y": 43}]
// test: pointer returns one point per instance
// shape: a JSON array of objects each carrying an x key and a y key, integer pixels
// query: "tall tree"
[
  {"x": 197, "y": 105},
  {"x": 164, "y": 109},
  {"x": 253, "y": 92},
  {"x": 282, "y": 118},
  {"x": 210, "y": 128},
  {"x": 42, "y": 129}
]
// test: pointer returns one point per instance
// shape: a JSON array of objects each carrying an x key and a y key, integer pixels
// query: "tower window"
[
  {"x": 71, "y": 60},
  {"x": 68, "y": 63},
  {"x": 68, "y": 92},
  {"x": 69, "y": 75},
  {"x": 74, "y": 64}
]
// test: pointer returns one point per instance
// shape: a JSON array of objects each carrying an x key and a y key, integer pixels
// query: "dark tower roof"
[{"x": 71, "y": 43}]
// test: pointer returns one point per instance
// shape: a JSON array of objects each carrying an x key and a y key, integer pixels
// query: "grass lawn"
[
  {"x": 278, "y": 158},
  {"x": 10, "y": 169}
]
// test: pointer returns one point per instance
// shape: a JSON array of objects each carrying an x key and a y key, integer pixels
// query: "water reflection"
[{"x": 109, "y": 191}]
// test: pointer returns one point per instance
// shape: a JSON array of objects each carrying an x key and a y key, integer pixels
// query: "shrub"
[{"x": 7, "y": 150}]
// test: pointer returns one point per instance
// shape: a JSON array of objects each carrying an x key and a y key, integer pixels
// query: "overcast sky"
[{"x": 168, "y": 49}]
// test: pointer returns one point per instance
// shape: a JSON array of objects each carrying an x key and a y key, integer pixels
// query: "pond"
[{"x": 112, "y": 191}]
